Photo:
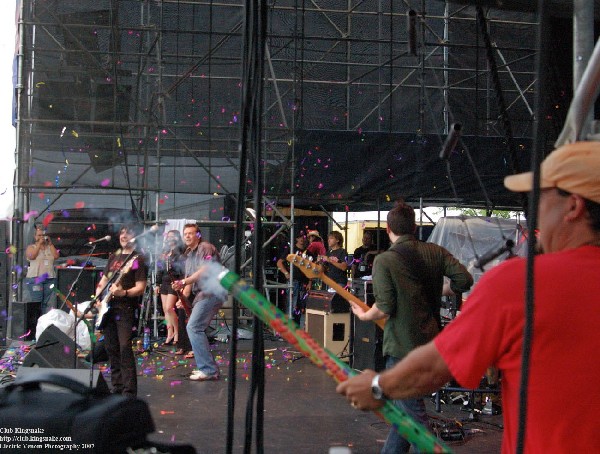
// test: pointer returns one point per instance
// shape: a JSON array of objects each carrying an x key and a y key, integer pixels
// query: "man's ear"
[{"x": 576, "y": 207}]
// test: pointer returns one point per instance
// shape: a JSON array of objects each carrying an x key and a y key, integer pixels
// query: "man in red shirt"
[{"x": 561, "y": 406}]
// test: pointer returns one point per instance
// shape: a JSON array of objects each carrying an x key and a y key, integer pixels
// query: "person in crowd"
[
  {"x": 40, "y": 278},
  {"x": 408, "y": 284},
  {"x": 315, "y": 246},
  {"x": 335, "y": 260},
  {"x": 205, "y": 305},
  {"x": 123, "y": 283},
  {"x": 191, "y": 242},
  {"x": 170, "y": 268},
  {"x": 362, "y": 264},
  {"x": 300, "y": 283},
  {"x": 489, "y": 330}
]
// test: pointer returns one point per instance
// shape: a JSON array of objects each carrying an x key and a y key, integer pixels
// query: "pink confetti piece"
[{"x": 47, "y": 219}]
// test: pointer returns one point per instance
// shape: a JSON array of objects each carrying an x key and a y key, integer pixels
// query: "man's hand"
[
  {"x": 358, "y": 391},
  {"x": 357, "y": 310},
  {"x": 179, "y": 304},
  {"x": 117, "y": 290},
  {"x": 178, "y": 285}
]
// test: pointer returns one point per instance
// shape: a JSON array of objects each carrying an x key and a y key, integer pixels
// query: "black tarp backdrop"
[{"x": 337, "y": 168}]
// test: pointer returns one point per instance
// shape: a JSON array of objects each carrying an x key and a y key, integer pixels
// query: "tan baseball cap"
[{"x": 574, "y": 168}]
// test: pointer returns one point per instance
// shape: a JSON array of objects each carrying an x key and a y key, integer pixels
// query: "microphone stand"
[
  {"x": 73, "y": 285},
  {"x": 79, "y": 274}
]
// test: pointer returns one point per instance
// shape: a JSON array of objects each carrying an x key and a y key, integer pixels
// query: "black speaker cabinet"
[
  {"x": 23, "y": 319},
  {"x": 84, "y": 288},
  {"x": 322, "y": 300},
  {"x": 54, "y": 349},
  {"x": 92, "y": 379},
  {"x": 332, "y": 331},
  {"x": 367, "y": 346}
]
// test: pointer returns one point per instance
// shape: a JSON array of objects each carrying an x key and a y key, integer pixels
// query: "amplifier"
[
  {"x": 84, "y": 288},
  {"x": 332, "y": 331},
  {"x": 322, "y": 300},
  {"x": 363, "y": 290},
  {"x": 367, "y": 346},
  {"x": 23, "y": 319}
]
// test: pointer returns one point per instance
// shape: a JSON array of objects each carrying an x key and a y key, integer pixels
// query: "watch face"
[
  {"x": 376, "y": 389},
  {"x": 377, "y": 392}
]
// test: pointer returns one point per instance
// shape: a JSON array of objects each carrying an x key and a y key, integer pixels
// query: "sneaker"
[{"x": 198, "y": 375}]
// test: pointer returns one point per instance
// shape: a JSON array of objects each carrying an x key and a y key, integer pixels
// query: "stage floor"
[{"x": 302, "y": 412}]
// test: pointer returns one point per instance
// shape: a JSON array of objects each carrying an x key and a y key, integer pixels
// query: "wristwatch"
[{"x": 376, "y": 389}]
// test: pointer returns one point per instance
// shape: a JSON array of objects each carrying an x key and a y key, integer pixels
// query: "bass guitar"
[
  {"x": 313, "y": 270},
  {"x": 105, "y": 301}
]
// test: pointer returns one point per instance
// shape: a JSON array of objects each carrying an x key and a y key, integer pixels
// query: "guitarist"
[
  {"x": 408, "y": 282},
  {"x": 125, "y": 290},
  {"x": 300, "y": 283},
  {"x": 205, "y": 305}
]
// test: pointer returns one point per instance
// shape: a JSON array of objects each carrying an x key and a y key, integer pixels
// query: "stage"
[{"x": 303, "y": 413}]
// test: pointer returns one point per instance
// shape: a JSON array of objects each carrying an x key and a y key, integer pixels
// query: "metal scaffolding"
[{"x": 135, "y": 105}]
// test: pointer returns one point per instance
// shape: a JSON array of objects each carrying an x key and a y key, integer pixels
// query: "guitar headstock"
[{"x": 305, "y": 264}]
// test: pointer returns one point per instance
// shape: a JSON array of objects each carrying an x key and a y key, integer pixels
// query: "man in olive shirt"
[{"x": 408, "y": 283}]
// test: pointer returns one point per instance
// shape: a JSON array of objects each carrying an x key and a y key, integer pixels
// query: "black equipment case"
[{"x": 34, "y": 419}]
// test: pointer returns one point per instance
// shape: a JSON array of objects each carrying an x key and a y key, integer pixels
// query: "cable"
[{"x": 528, "y": 332}]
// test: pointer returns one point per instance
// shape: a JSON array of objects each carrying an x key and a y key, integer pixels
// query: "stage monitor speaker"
[
  {"x": 83, "y": 376},
  {"x": 322, "y": 300},
  {"x": 367, "y": 346},
  {"x": 23, "y": 319},
  {"x": 332, "y": 331},
  {"x": 85, "y": 287},
  {"x": 54, "y": 349}
]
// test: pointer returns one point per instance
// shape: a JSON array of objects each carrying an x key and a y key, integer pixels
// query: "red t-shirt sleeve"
[{"x": 483, "y": 334}]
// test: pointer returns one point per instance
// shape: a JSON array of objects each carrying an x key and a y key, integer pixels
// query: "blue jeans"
[
  {"x": 41, "y": 290},
  {"x": 298, "y": 303},
  {"x": 415, "y": 408},
  {"x": 203, "y": 311}
]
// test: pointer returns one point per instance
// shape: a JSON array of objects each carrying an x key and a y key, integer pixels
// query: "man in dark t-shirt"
[{"x": 362, "y": 263}]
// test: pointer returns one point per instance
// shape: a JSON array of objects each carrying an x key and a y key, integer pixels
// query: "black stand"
[{"x": 73, "y": 285}]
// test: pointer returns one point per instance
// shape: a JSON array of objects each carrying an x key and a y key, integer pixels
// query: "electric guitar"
[
  {"x": 315, "y": 271},
  {"x": 105, "y": 302}
]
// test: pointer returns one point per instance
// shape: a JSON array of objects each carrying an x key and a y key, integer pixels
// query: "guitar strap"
[{"x": 419, "y": 271}]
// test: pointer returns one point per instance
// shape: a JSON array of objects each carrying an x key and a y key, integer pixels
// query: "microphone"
[
  {"x": 152, "y": 229},
  {"x": 493, "y": 254},
  {"x": 99, "y": 240},
  {"x": 451, "y": 141},
  {"x": 412, "y": 31}
]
